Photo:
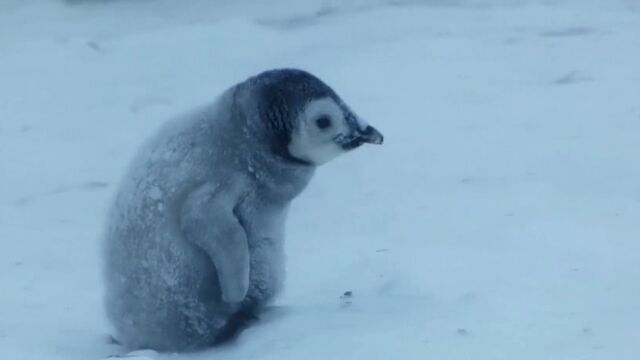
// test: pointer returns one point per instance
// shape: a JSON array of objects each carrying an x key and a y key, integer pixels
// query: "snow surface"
[{"x": 498, "y": 221}]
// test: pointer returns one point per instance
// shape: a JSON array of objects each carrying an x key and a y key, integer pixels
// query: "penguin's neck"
[
  {"x": 278, "y": 175},
  {"x": 279, "y": 178}
]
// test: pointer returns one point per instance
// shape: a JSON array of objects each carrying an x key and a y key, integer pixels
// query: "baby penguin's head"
[
  {"x": 325, "y": 128},
  {"x": 313, "y": 125}
]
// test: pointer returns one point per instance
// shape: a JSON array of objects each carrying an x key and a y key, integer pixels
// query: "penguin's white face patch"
[{"x": 319, "y": 124}]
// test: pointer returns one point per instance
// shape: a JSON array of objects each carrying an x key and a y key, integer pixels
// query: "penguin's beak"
[
  {"x": 367, "y": 134},
  {"x": 371, "y": 135}
]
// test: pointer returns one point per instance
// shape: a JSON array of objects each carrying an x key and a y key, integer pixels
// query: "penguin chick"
[{"x": 194, "y": 241}]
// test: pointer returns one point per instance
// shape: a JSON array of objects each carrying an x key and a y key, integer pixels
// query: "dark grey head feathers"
[{"x": 284, "y": 93}]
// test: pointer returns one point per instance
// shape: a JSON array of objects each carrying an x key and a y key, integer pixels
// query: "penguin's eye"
[{"x": 323, "y": 122}]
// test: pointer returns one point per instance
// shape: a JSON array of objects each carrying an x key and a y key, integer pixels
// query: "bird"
[{"x": 193, "y": 249}]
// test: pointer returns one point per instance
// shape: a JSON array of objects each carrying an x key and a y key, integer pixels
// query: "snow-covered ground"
[{"x": 500, "y": 220}]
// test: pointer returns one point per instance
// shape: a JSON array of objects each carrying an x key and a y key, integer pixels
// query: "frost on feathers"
[{"x": 195, "y": 237}]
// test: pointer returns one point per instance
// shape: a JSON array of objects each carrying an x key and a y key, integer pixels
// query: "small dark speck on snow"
[
  {"x": 571, "y": 31},
  {"x": 346, "y": 298},
  {"x": 467, "y": 179},
  {"x": 572, "y": 77},
  {"x": 94, "y": 45}
]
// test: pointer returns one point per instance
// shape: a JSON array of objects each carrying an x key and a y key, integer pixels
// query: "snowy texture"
[{"x": 499, "y": 221}]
